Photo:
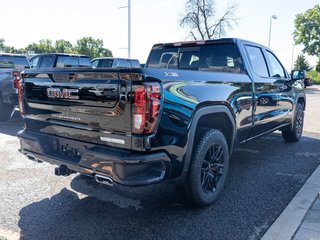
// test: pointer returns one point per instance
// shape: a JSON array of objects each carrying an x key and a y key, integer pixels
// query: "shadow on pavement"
[
  {"x": 66, "y": 216},
  {"x": 11, "y": 127},
  {"x": 264, "y": 176}
]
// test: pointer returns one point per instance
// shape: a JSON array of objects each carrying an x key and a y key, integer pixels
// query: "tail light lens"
[
  {"x": 145, "y": 107},
  {"x": 16, "y": 79},
  {"x": 20, "y": 97}
]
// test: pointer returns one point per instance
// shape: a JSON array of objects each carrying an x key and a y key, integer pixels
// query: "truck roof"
[
  {"x": 63, "y": 54},
  {"x": 13, "y": 55},
  {"x": 203, "y": 42},
  {"x": 112, "y": 58}
]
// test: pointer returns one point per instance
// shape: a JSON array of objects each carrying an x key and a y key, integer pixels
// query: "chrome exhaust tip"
[
  {"x": 33, "y": 158},
  {"x": 103, "y": 180}
]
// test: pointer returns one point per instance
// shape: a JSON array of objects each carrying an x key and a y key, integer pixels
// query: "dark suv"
[{"x": 59, "y": 60}]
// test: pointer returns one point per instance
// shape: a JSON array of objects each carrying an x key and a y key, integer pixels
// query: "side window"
[
  {"x": 34, "y": 62},
  {"x": 276, "y": 69},
  {"x": 46, "y": 62},
  {"x": 135, "y": 64},
  {"x": 66, "y": 61},
  {"x": 105, "y": 63},
  {"x": 94, "y": 63},
  {"x": 123, "y": 63},
  {"x": 84, "y": 62},
  {"x": 257, "y": 61}
]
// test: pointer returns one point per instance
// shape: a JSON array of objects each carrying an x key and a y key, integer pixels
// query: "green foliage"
[
  {"x": 307, "y": 30},
  {"x": 44, "y": 46},
  {"x": 92, "y": 47},
  {"x": 87, "y": 46},
  {"x": 301, "y": 63},
  {"x": 315, "y": 76},
  {"x": 5, "y": 48},
  {"x": 63, "y": 46},
  {"x": 318, "y": 66},
  {"x": 1, "y": 43}
]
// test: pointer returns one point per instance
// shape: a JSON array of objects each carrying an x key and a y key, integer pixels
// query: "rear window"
[
  {"x": 115, "y": 63},
  {"x": 70, "y": 61},
  {"x": 215, "y": 58},
  {"x": 18, "y": 62}
]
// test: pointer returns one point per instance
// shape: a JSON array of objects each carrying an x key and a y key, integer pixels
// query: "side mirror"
[{"x": 298, "y": 74}]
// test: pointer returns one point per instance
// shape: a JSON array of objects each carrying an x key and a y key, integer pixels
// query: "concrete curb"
[{"x": 291, "y": 218}]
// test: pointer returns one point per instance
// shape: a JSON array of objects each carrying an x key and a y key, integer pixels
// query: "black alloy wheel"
[
  {"x": 212, "y": 168},
  {"x": 208, "y": 169},
  {"x": 294, "y": 133}
]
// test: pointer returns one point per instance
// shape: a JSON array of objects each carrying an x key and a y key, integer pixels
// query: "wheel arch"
[
  {"x": 302, "y": 100},
  {"x": 209, "y": 117}
]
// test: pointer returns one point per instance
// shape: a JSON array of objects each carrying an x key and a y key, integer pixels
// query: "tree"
[
  {"x": 307, "y": 30},
  {"x": 92, "y": 47},
  {"x": 1, "y": 44},
  {"x": 318, "y": 66},
  {"x": 63, "y": 46},
  {"x": 202, "y": 20},
  {"x": 5, "y": 48},
  {"x": 44, "y": 46},
  {"x": 301, "y": 63}
]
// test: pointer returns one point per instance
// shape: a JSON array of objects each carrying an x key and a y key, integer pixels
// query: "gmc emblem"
[{"x": 62, "y": 93}]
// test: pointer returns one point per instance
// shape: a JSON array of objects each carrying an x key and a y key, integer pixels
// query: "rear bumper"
[{"x": 122, "y": 166}]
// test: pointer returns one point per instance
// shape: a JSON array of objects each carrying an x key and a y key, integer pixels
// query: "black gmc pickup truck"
[{"x": 178, "y": 119}]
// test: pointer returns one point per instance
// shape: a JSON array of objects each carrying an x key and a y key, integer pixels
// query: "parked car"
[
  {"x": 10, "y": 67},
  {"x": 110, "y": 62},
  {"x": 177, "y": 119},
  {"x": 59, "y": 60}
]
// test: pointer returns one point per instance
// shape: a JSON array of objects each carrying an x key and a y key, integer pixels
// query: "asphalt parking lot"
[{"x": 264, "y": 176}]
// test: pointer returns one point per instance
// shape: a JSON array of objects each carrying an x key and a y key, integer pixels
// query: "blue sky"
[{"x": 153, "y": 21}]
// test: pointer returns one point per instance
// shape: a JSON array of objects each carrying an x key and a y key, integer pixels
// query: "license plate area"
[{"x": 64, "y": 149}]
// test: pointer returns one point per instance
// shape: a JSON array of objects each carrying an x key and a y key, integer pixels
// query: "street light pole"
[
  {"x": 272, "y": 17},
  {"x": 292, "y": 57},
  {"x": 129, "y": 27}
]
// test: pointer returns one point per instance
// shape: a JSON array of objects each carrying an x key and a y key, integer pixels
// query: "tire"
[
  {"x": 294, "y": 134},
  {"x": 208, "y": 169},
  {"x": 5, "y": 110}
]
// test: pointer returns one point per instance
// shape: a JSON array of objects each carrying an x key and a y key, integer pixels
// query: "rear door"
[
  {"x": 273, "y": 102},
  {"x": 87, "y": 105}
]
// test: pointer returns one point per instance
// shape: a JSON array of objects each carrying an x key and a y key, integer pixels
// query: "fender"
[
  {"x": 299, "y": 95},
  {"x": 198, "y": 114}
]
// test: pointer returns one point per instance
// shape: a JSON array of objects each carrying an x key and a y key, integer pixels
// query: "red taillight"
[
  {"x": 20, "y": 97},
  {"x": 145, "y": 108},
  {"x": 16, "y": 79},
  {"x": 139, "y": 108}
]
